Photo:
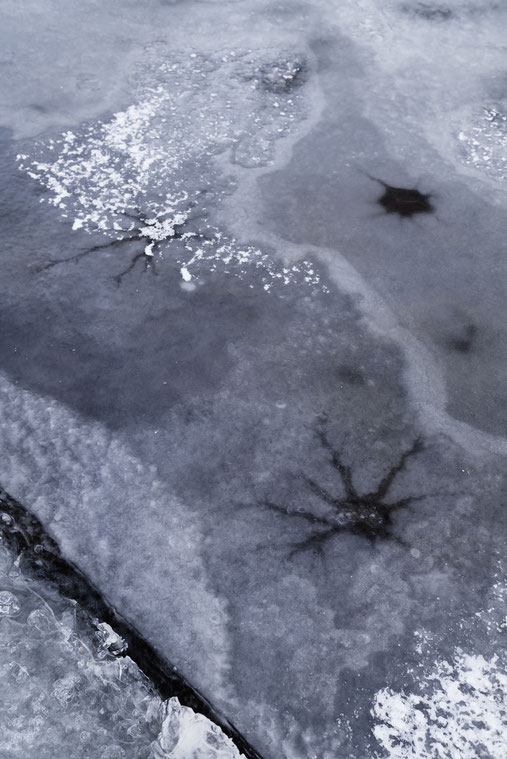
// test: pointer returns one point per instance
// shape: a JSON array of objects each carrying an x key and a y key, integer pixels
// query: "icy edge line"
[{"x": 39, "y": 555}]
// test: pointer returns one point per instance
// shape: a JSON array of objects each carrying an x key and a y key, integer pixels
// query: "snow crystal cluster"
[
  {"x": 147, "y": 173},
  {"x": 461, "y": 712},
  {"x": 483, "y": 143}
]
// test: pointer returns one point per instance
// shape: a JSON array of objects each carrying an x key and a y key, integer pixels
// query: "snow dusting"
[
  {"x": 147, "y": 173},
  {"x": 458, "y": 709},
  {"x": 461, "y": 713}
]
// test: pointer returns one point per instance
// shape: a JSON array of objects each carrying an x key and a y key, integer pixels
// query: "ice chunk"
[
  {"x": 9, "y": 604},
  {"x": 187, "y": 735},
  {"x": 65, "y": 695}
]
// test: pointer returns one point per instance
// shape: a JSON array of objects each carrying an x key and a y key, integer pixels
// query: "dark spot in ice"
[
  {"x": 282, "y": 76},
  {"x": 464, "y": 343},
  {"x": 429, "y": 12},
  {"x": 38, "y": 108},
  {"x": 38, "y": 555},
  {"x": 406, "y": 202},
  {"x": 350, "y": 375},
  {"x": 367, "y": 515}
]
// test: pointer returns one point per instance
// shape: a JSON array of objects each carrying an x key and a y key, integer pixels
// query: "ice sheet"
[{"x": 260, "y": 409}]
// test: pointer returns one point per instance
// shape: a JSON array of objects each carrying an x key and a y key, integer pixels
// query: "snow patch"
[
  {"x": 148, "y": 171},
  {"x": 461, "y": 713}
]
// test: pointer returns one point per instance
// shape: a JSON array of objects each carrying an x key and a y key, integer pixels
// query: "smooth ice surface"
[{"x": 253, "y": 350}]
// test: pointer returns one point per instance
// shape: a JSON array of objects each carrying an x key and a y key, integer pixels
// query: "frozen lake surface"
[{"x": 253, "y": 351}]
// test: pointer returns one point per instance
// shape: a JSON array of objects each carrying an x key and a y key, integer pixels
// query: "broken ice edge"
[{"x": 39, "y": 556}]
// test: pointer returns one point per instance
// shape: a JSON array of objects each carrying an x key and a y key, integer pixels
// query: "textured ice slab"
[
  {"x": 65, "y": 694},
  {"x": 282, "y": 455}
]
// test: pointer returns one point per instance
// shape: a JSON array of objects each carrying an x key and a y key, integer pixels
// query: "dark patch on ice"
[
  {"x": 281, "y": 77},
  {"x": 39, "y": 555},
  {"x": 350, "y": 375},
  {"x": 38, "y": 108},
  {"x": 406, "y": 202},
  {"x": 429, "y": 12},
  {"x": 464, "y": 343},
  {"x": 367, "y": 515}
]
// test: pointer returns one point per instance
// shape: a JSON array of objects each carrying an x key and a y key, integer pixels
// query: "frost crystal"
[{"x": 8, "y": 604}]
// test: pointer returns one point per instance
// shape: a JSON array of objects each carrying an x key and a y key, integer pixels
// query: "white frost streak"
[
  {"x": 227, "y": 255},
  {"x": 100, "y": 175},
  {"x": 484, "y": 143}
]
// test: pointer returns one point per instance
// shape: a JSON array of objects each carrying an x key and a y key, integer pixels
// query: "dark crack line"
[
  {"x": 149, "y": 263},
  {"x": 367, "y": 515},
  {"x": 87, "y": 252},
  {"x": 385, "y": 484},
  {"x": 137, "y": 235}
]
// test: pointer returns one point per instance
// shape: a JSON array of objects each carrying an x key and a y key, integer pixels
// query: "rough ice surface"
[
  {"x": 66, "y": 694},
  {"x": 459, "y": 707},
  {"x": 253, "y": 352}
]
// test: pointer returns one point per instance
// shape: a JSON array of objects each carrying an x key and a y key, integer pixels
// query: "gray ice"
[{"x": 263, "y": 411}]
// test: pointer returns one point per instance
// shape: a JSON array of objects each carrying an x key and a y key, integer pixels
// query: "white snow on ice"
[
  {"x": 460, "y": 714},
  {"x": 458, "y": 708},
  {"x": 147, "y": 171}
]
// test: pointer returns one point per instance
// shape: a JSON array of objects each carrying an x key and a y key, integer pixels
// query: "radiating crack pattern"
[{"x": 368, "y": 515}]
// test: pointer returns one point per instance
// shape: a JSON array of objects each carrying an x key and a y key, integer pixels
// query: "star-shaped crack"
[{"x": 367, "y": 515}]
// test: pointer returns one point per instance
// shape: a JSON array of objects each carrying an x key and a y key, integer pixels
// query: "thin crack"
[
  {"x": 81, "y": 254},
  {"x": 149, "y": 262},
  {"x": 152, "y": 242}
]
